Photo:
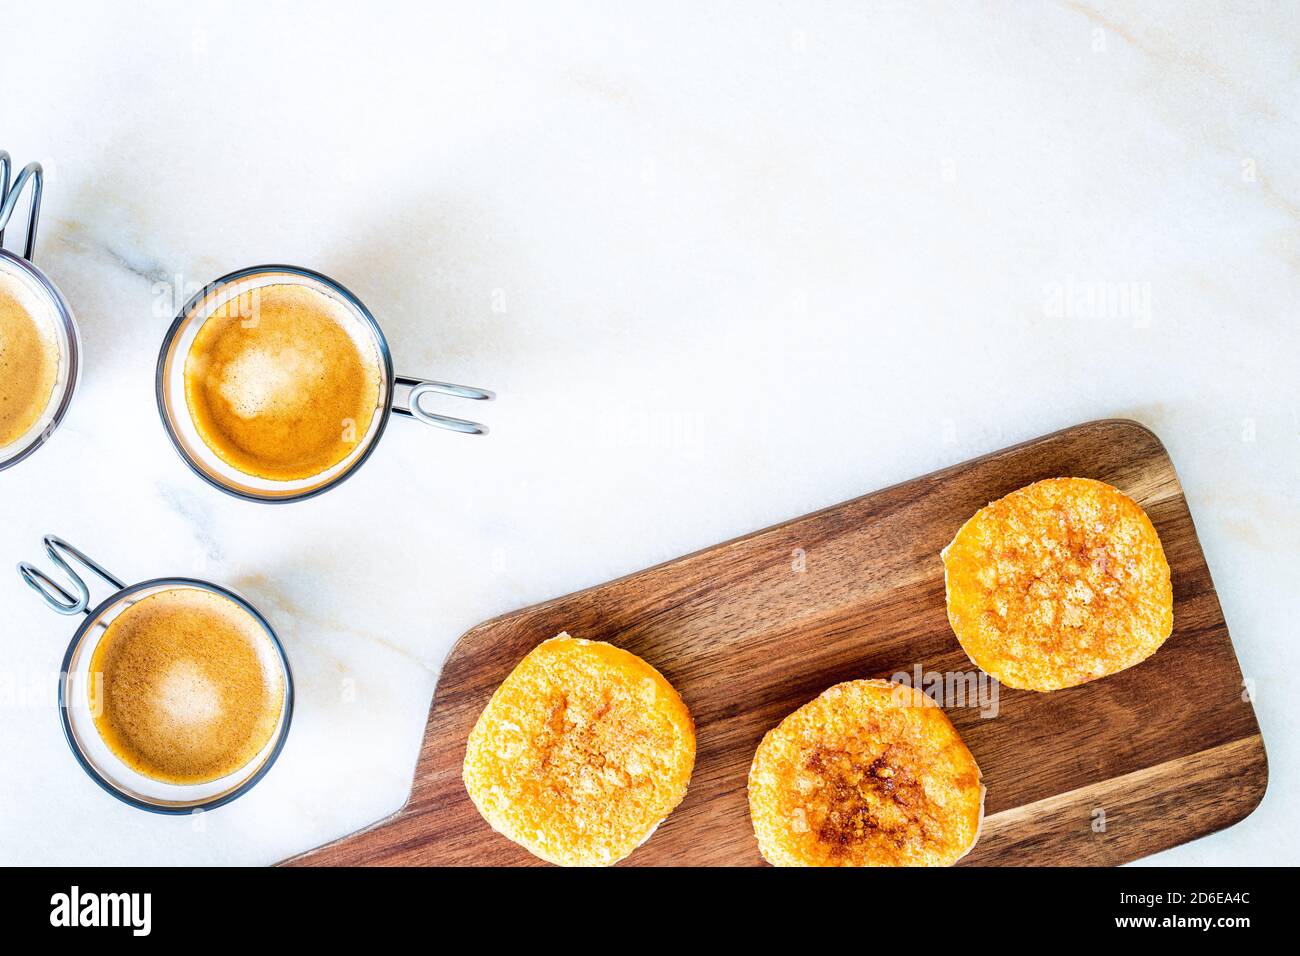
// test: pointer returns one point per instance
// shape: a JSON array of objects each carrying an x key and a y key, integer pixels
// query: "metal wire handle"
[
  {"x": 53, "y": 593},
  {"x": 420, "y": 387},
  {"x": 9, "y": 198}
]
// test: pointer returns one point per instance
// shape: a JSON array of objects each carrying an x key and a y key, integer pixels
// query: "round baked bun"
[
  {"x": 1057, "y": 584},
  {"x": 870, "y": 773},
  {"x": 581, "y": 752}
]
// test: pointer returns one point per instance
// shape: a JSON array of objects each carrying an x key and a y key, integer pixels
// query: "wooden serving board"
[{"x": 749, "y": 630}]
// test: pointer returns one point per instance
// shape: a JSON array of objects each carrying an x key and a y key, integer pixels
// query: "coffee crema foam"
[
  {"x": 282, "y": 382},
  {"x": 29, "y": 357},
  {"x": 186, "y": 686}
]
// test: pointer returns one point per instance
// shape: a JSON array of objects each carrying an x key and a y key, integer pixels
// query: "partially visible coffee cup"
[
  {"x": 40, "y": 350},
  {"x": 30, "y": 356}
]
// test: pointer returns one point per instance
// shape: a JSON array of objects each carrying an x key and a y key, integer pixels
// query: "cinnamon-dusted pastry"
[
  {"x": 581, "y": 753},
  {"x": 870, "y": 773},
  {"x": 1057, "y": 584}
]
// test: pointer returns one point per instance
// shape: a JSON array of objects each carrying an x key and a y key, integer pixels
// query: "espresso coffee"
[
  {"x": 282, "y": 382},
  {"x": 185, "y": 686},
  {"x": 29, "y": 357}
]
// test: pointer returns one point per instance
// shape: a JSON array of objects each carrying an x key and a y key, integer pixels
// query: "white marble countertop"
[{"x": 723, "y": 266}]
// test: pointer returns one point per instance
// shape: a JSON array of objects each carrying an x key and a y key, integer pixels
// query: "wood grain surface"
[{"x": 749, "y": 630}]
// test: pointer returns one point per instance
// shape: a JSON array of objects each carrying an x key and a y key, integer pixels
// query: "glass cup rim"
[
  {"x": 73, "y": 356},
  {"x": 350, "y": 298},
  {"x": 282, "y": 734}
]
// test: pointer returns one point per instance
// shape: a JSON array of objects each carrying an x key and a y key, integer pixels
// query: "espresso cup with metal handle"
[
  {"x": 76, "y": 679},
  {"x": 216, "y": 299}
]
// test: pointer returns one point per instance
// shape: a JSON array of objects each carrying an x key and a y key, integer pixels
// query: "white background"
[{"x": 725, "y": 264}]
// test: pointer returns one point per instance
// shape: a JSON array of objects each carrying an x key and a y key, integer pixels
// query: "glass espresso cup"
[
  {"x": 227, "y": 300},
  {"x": 28, "y": 291},
  {"x": 190, "y": 703}
]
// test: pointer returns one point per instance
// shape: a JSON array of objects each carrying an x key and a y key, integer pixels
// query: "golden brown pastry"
[
  {"x": 1059, "y": 583},
  {"x": 870, "y": 773},
  {"x": 581, "y": 753}
]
